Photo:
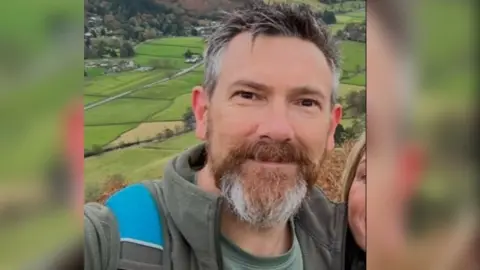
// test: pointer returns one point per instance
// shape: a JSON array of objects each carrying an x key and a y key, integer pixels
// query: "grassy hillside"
[{"x": 137, "y": 163}]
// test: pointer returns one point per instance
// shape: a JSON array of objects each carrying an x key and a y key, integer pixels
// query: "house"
[
  {"x": 192, "y": 60},
  {"x": 130, "y": 64},
  {"x": 142, "y": 69}
]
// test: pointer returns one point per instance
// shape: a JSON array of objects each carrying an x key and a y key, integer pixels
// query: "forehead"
[{"x": 280, "y": 62}]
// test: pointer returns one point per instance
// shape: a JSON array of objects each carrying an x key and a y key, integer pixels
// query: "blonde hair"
[{"x": 351, "y": 165}]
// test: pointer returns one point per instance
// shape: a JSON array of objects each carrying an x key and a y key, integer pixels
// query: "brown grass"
[
  {"x": 112, "y": 185},
  {"x": 332, "y": 169},
  {"x": 145, "y": 131}
]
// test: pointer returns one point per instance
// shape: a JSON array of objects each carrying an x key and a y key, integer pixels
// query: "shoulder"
[
  {"x": 322, "y": 218},
  {"x": 102, "y": 239},
  {"x": 130, "y": 215},
  {"x": 318, "y": 204},
  {"x": 138, "y": 214}
]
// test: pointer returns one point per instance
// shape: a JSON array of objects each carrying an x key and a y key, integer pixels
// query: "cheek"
[
  {"x": 227, "y": 127},
  {"x": 313, "y": 135},
  {"x": 356, "y": 200}
]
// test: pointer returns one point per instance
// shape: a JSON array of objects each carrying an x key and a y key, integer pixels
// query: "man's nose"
[{"x": 276, "y": 126}]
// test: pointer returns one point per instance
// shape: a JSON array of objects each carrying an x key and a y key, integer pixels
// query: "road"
[{"x": 104, "y": 101}]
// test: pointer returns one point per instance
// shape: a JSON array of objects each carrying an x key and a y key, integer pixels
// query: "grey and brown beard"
[{"x": 263, "y": 197}]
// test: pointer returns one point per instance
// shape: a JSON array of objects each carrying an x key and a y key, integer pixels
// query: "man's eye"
[
  {"x": 246, "y": 95},
  {"x": 308, "y": 102}
]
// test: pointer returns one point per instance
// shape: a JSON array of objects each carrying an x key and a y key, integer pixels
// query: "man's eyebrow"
[
  {"x": 252, "y": 84},
  {"x": 308, "y": 91},
  {"x": 296, "y": 91}
]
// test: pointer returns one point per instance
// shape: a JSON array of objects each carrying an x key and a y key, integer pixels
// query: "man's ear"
[
  {"x": 200, "y": 108},
  {"x": 335, "y": 118}
]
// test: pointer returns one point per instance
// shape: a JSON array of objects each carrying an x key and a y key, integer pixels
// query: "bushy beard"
[
  {"x": 261, "y": 196},
  {"x": 262, "y": 207}
]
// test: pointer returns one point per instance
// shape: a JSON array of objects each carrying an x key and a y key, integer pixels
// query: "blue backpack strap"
[{"x": 140, "y": 227}]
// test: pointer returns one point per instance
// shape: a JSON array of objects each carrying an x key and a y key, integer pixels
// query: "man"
[{"x": 267, "y": 114}]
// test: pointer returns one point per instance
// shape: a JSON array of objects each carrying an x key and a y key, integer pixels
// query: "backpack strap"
[{"x": 140, "y": 227}]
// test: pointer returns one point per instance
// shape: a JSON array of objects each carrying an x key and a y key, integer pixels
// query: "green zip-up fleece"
[{"x": 192, "y": 219}]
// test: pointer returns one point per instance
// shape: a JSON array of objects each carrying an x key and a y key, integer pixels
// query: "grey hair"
[{"x": 278, "y": 19}]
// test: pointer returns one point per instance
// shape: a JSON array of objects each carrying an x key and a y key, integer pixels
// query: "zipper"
[{"x": 217, "y": 235}]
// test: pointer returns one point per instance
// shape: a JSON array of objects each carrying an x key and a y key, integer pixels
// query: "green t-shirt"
[{"x": 235, "y": 258}]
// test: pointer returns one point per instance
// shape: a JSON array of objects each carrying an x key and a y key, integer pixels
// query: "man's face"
[{"x": 267, "y": 125}]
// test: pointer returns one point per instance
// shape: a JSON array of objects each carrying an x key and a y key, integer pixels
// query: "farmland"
[
  {"x": 168, "y": 49},
  {"x": 145, "y": 113},
  {"x": 349, "y": 17}
]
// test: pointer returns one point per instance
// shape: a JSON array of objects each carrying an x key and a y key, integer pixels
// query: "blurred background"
[
  {"x": 422, "y": 192},
  {"x": 422, "y": 196},
  {"x": 41, "y": 59}
]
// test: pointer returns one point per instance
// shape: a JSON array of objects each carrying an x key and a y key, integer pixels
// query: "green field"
[
  {"x": 353, "y": 55},
  {"x": 344, "y": 89},
  {"x": 124, "y": 110},
  {"x": 89, "y": 99},
  {"x": 353, "y": 58},
  {"x": 173, "y": 88},
  {"x": 137, "y": 163},
  {"x": 105, "y": 123},
  {"x": 109, "y": 85},
  {"x": 176, "y": 110},
  {"x": 102, "y": 135},
  {"x": 355, "y": 80},
  {"x": 94, "y": 71},
  {"x": 346, "y": 18},
  {"x": 170, "y": 49}
]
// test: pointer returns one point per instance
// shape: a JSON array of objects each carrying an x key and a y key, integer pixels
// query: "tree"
[
  {"x": 189, "y": 119},
  {"x": 356, "y": 102},
  {"x": 150, "y": 33},
  {"x": 102, "y": 32},
  {"x": 113, "y": 53},
  {"x": 127, "y": 50},
  {"x": 194, "y": 32},
  {"x": 123, "y": 52},
  {"x": 101, "y": 48},
  {"x": 340, "y": 34},
  {"x": 94, "y": 34},
  {"x": 86, "y": 52},
  {"x": 160, "y": 136},
  {"x": 339, "y": 136},
  {"x": 329, "y": 17},
  {"x": 178, "y": 129},
  {"x": 88, "y": 42},
  {"x": 188, "y": 54},
  {"x": 168, "y": 133},
  {"x": 111, "y": 23},
  {"x": 97, "y": 149},
  {"x": 114, "y": 43}
]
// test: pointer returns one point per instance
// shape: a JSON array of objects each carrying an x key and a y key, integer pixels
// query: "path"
[{"x": 104, "y": 101}]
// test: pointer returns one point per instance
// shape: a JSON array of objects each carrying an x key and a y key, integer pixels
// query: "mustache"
[{"x": 270, "y": 151}]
